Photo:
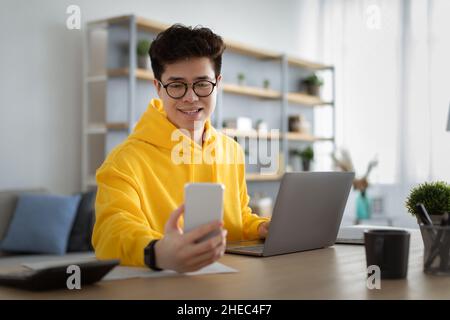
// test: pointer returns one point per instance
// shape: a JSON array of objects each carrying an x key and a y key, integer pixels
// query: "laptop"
[{"x": 306, "y": 216}]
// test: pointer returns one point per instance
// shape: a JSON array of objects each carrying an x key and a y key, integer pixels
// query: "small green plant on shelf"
[
  {"x": 143, "y": 47},
  {"x": 241, "y": 78},
  {"x": 435, "y": 196},
  {"x": 306, "y": 156},
  {"x": 266, "y": 84},
  {"x": 312, "y": 84}
]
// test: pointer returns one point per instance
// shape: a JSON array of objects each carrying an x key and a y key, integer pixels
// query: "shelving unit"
[{"x": 116, "y": 92}]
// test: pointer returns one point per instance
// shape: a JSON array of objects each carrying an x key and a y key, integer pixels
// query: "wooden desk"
[{"x": 338, "y": 272}]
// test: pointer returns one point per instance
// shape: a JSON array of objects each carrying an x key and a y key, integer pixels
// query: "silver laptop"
[{"x": 307, "y": 214}]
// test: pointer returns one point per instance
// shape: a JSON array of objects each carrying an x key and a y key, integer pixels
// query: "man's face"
[{"x": 191, "y": 108}]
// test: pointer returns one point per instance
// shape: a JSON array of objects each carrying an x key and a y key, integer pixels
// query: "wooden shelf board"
[
  {"x": 293, "y": 136},
  {"x": 263, "y": 177},
  {"x": 150, "y": 25},
  {"x": 141, "y": 23},
  {"x": 306, "y": 99},
  {"x": 142, "y": 74},
  {"x": 242, "y": 48},
  {"x": 251, "y": 91},
  {"x": 96, "y": 78},
  {"x": 308, "y": 64},
  {"x": 249, "y": 134},
  {"x": 96, "y": 128},
  {"x": 117, "y": 126}
]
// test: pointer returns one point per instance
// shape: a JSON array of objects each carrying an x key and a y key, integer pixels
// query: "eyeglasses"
[{"x": 178, "y": 89}]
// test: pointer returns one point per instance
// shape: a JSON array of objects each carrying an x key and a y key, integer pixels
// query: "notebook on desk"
[{"x": 355, "y": 234}]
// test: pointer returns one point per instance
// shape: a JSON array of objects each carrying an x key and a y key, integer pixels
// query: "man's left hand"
[{"x": 263, "y": 229}]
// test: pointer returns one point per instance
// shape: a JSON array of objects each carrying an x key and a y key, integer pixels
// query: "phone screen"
[{"x": 203, "y": 204}]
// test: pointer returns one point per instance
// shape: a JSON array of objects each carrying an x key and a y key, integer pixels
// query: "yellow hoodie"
[{"x": 139, "y": 185}]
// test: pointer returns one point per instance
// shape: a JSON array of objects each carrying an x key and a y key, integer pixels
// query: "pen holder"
[{"x": 436, "y": 258}]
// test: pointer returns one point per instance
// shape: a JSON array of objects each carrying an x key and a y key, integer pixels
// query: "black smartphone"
[{"x": 56, "y": 277}]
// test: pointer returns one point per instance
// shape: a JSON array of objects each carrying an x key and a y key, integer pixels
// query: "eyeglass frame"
[{"x": 186, "y": 87}]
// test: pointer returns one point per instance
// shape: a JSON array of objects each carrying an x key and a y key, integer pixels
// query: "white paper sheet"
[{"x": 120, "y": 273}]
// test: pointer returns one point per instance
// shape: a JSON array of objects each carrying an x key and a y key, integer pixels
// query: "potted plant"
[
  {"x": 313, "y": 84},
  {"x": 241, "y": 78},
  {"x": 307, "y": 156},
  {"x": 435, "y": 196},
  {"x": 266, "y": 84},
  {"x": 143, "y": 47}
]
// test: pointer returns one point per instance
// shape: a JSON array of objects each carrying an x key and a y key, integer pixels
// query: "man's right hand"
[{"x": 180, "y": 251}]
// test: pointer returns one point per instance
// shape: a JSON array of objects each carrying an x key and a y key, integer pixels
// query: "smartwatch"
[{"x": 150, "y": 257}]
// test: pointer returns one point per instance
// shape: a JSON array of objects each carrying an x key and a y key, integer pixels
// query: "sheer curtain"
[{"x": 392, "y": 65}]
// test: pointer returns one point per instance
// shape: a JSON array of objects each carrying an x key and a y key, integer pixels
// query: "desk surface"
[{"x": 338, "y": 272}]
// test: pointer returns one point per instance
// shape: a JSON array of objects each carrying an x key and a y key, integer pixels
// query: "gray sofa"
[{"x": 8, "y": 201}]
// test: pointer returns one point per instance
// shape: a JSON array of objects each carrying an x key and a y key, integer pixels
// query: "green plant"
[
  {"x": 313, "y": 80},
  {"x": 434, "y": 195},
  {"x": 241, "y": 76},
  {"x": 142, "y": 47},
  {"x": 266, "y": 83},
  {"x": 307, "y": 153}
]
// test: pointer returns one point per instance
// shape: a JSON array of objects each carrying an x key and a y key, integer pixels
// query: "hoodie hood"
[{"x": 155, "y": 128}]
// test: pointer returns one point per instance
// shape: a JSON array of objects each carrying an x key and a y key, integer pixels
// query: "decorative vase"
[{"x": 363, "y": 208}]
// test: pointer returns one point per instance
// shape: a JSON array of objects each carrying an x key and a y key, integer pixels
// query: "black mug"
[{"x": 389, "y": 250}]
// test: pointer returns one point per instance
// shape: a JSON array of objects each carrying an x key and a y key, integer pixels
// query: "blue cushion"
[{"x": 41, "y": 224}]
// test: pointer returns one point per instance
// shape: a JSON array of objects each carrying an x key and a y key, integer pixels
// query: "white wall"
[{"x": 41, "y": 77}]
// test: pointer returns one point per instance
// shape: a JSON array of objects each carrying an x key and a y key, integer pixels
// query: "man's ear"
[
  {"x": 158, "y": 87},
  {"x": 219, "y": 79}
]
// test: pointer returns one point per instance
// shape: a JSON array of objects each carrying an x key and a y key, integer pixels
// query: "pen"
[{"x": 423, "y": 214}]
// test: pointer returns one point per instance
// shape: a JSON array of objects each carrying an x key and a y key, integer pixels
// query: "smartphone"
[{"x": 203, "y": 204}]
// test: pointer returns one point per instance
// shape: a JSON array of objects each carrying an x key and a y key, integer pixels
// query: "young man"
[{"x": 141, "y": 183}]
